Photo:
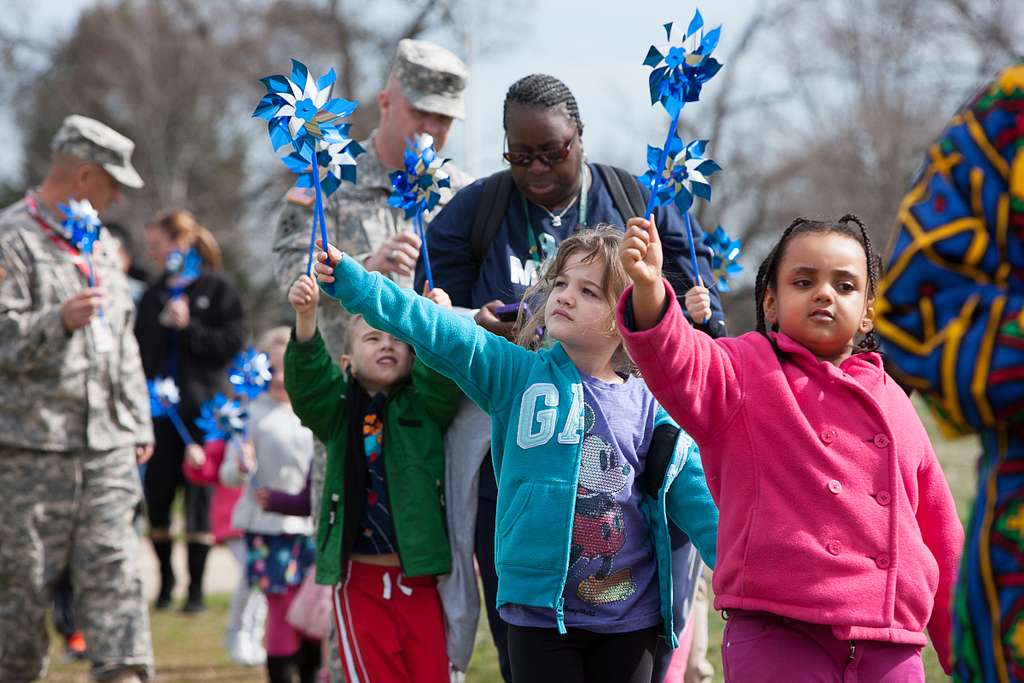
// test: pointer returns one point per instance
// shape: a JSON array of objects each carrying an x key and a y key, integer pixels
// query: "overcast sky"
[{"x": 596, "y": 47}]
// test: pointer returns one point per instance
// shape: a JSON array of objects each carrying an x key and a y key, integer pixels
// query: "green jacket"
[{"x": 415, "y": 418}]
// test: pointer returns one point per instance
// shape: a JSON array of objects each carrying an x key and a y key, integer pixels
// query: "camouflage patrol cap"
[
  {"x": 98, "y": 143},
  {"x": 432, "y": 78}
]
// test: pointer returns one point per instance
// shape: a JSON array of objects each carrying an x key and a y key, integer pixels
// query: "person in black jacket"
[{"x": 189, "y": 327}]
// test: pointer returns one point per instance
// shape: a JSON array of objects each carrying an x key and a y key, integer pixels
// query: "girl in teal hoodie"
[{"x": 589, "y": 467}]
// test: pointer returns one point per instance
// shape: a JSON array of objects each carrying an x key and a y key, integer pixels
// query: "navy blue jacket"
[{"x": 507, "y": 268}]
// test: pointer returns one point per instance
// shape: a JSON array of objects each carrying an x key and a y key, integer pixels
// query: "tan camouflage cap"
[
  {"x": 90, "y": 140},
  {"x": 432, "y": 78}
]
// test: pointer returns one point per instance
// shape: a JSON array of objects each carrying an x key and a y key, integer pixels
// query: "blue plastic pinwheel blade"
[
  {"x": 341, "y": 107},
  {"x": 327, "y": 80},
  {"x": 276, "y": 83},
  {"x": 696, "y": 24},
  {"x": 710, "y": 41},
  {"x": 653, "y": 58},
  {"x": 299, "y": 74}
]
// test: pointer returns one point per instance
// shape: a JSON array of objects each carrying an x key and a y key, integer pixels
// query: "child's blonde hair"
[
  {"x": 275, "y": 337},
  {"x": 598, "y": 243}
]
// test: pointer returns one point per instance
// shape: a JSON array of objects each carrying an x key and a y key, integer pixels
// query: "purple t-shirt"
[{"x": 611, "y": 586}]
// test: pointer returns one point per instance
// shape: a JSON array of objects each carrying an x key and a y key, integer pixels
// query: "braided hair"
[
  {"x": 542, "y": 91},
  {"x": 849, "y": 225}
]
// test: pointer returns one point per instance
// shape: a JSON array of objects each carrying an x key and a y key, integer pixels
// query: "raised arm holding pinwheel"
[
  {"x": 679, "y": 171},
  {"x": 300, "y": 112}
]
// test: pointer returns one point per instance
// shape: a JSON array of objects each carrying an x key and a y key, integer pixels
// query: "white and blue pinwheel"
[
  {"x": 300, "y": 112},
  {"x": 83, "y": 226},
  {"x": 681, "y": 172},
  {"x": 725, "y": 254},
  {"x": 416, "y": 189},
  {"x": 222, "y": 419},
  {"x": 250, "y": 373},
  {"x": 681, "y": 70},
  {"x": 163, "y": 402}
]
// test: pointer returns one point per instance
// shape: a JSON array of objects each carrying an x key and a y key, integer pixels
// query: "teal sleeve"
[
  {"x": 487, "y": 367},
  {"x": 689, "y": 503},
  {"x": 440, "y": 396}
]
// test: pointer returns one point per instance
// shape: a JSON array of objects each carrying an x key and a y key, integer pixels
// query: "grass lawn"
[{"x": 188, "y": 648}]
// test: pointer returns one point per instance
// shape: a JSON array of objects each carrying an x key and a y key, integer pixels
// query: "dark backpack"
[{"x": 497, "y": 189}]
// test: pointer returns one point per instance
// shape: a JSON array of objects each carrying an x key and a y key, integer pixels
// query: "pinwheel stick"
[
  {"x": 693, "y": 251},
  {"x": 172, "y": 413},
  {"x": 318, "y": 216},
  {"x": 88, "y": 267},
  {"x": 657, "y": 180},
  {"x": 418, "y": 222}
]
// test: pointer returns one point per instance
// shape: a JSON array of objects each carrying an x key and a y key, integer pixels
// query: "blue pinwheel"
[
  {"x": 335, "y": 162},
  {"x": 681, "y": 71},
  {"x": 679, "y": 173},
  {"x": 183, "y": 267},
  {"x": 83, "y": 226},
  {"x": 725, "y": 253},
  {"x": 163, "y": 401},
  {"x": 300, "y": 111},
  {"x": 417, "y": 188},
  {"x": 250, "y": 374},
  {"x": 221, "y": 419}
]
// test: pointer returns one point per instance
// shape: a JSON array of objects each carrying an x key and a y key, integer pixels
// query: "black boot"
[
  {"x": 163, "y": 555},
  {"x": 196, "y": 566},
  {"x": 308, "y": 661},
  {"x": 279, "y": 669}
]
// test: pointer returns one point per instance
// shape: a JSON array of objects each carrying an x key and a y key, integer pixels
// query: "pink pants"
[
  {"x": 763, "y": 647},
  {"x": 282, "y": 637}
]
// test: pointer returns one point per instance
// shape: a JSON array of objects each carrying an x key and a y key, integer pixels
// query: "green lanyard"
[{"x": 581, "y": 222}]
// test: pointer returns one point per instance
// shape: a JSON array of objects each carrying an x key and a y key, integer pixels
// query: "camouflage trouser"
[{"x": 72, "y": 510}]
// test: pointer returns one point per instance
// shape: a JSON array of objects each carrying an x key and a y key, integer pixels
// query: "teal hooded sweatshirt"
[{"x": 535, "y": 399}]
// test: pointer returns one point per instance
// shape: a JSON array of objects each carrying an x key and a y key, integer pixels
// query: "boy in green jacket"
[{"x": 381, "y": 540}]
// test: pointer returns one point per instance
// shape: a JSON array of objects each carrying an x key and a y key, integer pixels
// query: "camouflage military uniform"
[
  {"x": 72, "y": 416},
  {"x": 359, "y": 221}
]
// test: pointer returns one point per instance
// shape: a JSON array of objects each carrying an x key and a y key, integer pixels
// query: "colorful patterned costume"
[{"x": 951, "y": 314}]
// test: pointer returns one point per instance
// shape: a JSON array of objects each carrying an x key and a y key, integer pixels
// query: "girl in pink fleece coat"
[{"x": 838, "y": 539}]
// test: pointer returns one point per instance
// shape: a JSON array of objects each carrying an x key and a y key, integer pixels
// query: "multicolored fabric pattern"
[
  {"x": 951, "y": 314},
  {"x": 377, "y": 528},
  {"x": 276, "y": 562}
]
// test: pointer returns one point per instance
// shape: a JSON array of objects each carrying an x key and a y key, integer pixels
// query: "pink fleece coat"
[{"x": 833, "y": 508}]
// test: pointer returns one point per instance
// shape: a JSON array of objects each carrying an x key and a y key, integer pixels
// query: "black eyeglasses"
[{"x": 548, "y": 158}]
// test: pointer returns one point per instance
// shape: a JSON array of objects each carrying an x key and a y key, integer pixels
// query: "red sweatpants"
[{"x": 390, "y": 627}]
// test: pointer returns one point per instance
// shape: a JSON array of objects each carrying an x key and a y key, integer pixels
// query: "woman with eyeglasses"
[{"x": 489, "y": 243}]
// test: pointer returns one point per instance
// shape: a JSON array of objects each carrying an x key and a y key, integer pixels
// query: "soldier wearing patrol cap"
[
  {"x": 423, "y": 94},
  {"x": 75, "y": 419}
]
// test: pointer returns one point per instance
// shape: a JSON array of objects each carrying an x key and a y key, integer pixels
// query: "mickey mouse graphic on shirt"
[{"x": 598, "y": 530}]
